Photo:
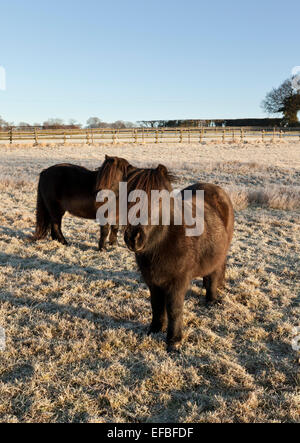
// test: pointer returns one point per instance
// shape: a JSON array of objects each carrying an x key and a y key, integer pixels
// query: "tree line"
[{"x": 57, "y": 123}]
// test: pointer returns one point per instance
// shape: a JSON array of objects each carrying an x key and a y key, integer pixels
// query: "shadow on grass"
[
  {"x": 23, "y": 372},
  {"x": 50, "y": 308},
  {"x": 35, "y": 263},
  {"x": 14, "y": 233}
]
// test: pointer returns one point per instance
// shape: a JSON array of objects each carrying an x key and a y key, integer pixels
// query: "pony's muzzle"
[{"x": 134, "y": 238}]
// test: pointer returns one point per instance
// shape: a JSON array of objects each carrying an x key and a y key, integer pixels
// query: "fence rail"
[{"x": 146, "y": 135}]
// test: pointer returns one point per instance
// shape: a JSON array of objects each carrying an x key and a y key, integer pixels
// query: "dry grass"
[
  {"x": 76, "y": 320},
  {"x": 286, "y": 198}
]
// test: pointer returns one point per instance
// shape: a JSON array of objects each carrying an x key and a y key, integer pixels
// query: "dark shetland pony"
[
  {"x": 67, "y": 187},
  {"x": 169, "y": 260}
]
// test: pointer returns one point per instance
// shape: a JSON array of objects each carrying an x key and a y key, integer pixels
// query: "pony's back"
[{"x": 219, "y": 200}]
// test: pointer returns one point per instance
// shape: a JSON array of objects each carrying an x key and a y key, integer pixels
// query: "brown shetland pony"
[
  {"x": 169, "y": 260},
  {"x": 72, "y": 188}
]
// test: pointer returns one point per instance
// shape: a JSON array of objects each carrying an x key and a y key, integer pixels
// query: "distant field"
[{"x": 76, "y": 320}]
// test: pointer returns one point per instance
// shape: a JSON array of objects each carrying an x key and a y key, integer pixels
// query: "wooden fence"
[{"x": 145, "y": 135}]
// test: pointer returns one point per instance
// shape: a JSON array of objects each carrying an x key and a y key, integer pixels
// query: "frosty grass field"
[{"x": 76, "y": 320}]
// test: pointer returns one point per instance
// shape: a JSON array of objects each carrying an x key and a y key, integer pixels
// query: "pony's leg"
[
  {"x": 174, "y": 303},
  {"x": 104, "y": 231},
  {"x": 56, "y": 232},
  {"x": 113, "y": 238},
  {"x": 53, "y": 233},
  {"x": 212, "y": 283},
  {"x": 221, "y": 282},
  {"x": 159, "y": 311}
]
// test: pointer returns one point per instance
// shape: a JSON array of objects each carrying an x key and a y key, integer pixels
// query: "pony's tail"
[{"x": 42, "y": 218}]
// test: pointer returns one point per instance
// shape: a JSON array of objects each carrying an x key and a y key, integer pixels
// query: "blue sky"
[{"x": 138, "y": 60}]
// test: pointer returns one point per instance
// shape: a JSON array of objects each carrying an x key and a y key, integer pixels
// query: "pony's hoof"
[
  {"x": 173, "y": 348},
  {"x": 64, "y": 243},
  {"x": 156, "y": 329},
  {"x": 30, "y": 239},
  {"x": 211, "y": 303}
]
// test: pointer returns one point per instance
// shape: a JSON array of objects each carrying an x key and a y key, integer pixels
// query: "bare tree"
[
  {"x": 24, "y": 125},
  {"x": 285, "y": 100},
  {"x": 130, "y": 125},
  {"x": 94, "y": 122},
  {"x": 149, "y": 123},
  {"x": 73, "y": 124},
  {"x": 4, "y": 125},
  {"x": 54, "y": 123},
  {"x": 119, "y": 124}
]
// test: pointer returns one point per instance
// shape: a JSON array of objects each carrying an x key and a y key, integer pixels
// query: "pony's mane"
[
  {"x": 149, "y": 179},
  {"x": 108, "y": 172}
]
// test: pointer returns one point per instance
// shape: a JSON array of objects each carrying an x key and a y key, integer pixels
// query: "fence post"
[
  {"x": 242, "y": 134},
  {"x": 180, "y": 136},
  {"x": 224, "y": 135},
  {"x": 233, "y": 135},
  {"x": 201, "y": 135},
  {"x": 11, "y": 136},
  {"x": 36, "y": 136}
]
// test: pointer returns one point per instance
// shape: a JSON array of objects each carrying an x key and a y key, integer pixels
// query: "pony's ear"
[
  {"x": 166, "y": 173},
  {"x": 112, "y": 160},
  {"x": 162, "y": 169}
]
